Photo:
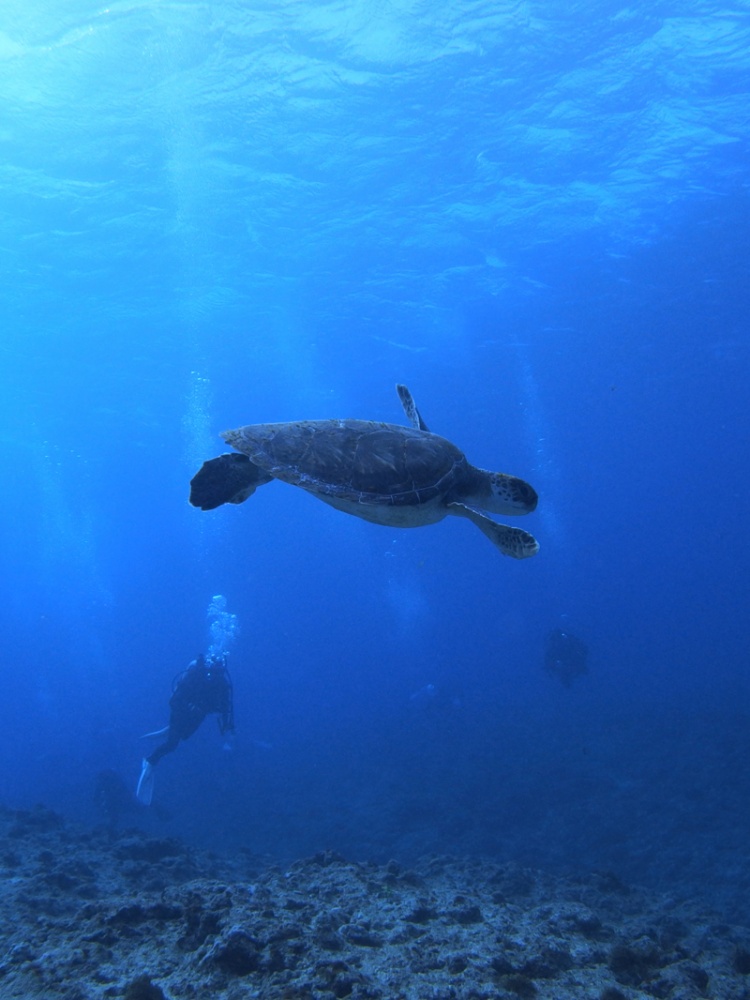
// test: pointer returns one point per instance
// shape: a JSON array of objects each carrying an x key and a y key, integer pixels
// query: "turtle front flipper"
[
  {"x": 514, "y": 542},
  {"x": 410, "y": 408},
  {"x": 227, "y": 479}
]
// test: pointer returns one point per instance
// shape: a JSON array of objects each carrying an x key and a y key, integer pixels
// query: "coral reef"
[{"x": 89, "y": 916}]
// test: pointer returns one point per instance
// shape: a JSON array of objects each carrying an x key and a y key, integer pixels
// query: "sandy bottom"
[{"x": 87, "y": 914}]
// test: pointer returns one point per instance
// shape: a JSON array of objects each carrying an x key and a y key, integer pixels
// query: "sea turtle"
[{"x": 385, "y": 473}]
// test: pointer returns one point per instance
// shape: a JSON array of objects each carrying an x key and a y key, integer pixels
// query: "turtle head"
[{"x": 509, "y": 495}]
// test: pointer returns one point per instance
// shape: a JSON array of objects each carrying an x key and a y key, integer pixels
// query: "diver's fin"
[
  {"x": 145, "y": 790},
  {"x": 157, "y": 732}
]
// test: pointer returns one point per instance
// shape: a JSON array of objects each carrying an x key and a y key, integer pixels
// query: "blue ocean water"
[{"x": 534, "y": 214}]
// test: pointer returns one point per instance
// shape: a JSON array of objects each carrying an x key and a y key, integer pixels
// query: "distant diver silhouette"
[
  {"x": 565, "y": 656},
  {"x": 115, "y": 801}
]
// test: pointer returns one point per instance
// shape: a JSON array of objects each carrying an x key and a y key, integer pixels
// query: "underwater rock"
[
  {"x": 141, "y": 988},
  {"x": 326, "y": 928},
  {"x": 236, "y": 953},
  {"x": 741, "y": 962}
]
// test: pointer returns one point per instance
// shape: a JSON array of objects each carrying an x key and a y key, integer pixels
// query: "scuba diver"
[
  {"x": 204, "y": 688},
  {"x": 565, "y": 656}
]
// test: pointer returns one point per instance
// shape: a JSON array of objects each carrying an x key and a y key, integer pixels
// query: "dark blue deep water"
[{"x": 535, "y": 214}]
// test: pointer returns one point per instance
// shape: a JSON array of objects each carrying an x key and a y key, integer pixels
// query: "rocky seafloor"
[{"x": 88, "y": 914}]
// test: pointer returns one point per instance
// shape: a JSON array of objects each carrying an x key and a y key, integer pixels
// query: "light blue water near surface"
[{"x": 534, "y": 214}]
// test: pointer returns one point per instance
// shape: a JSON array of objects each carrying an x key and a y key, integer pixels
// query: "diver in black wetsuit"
[
  {"x": 205, "y": 688},
  {"x": 565, "y": 656}
]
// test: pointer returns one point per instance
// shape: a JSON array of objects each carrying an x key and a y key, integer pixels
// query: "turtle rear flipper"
[
  {"x": 410, "y": 408},
  {"x": 513, "y": 542},
  {"x": 227, "y": 479}
]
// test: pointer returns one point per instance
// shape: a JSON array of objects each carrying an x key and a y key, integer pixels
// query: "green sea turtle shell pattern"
[{"x": 358, "y": 460}]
